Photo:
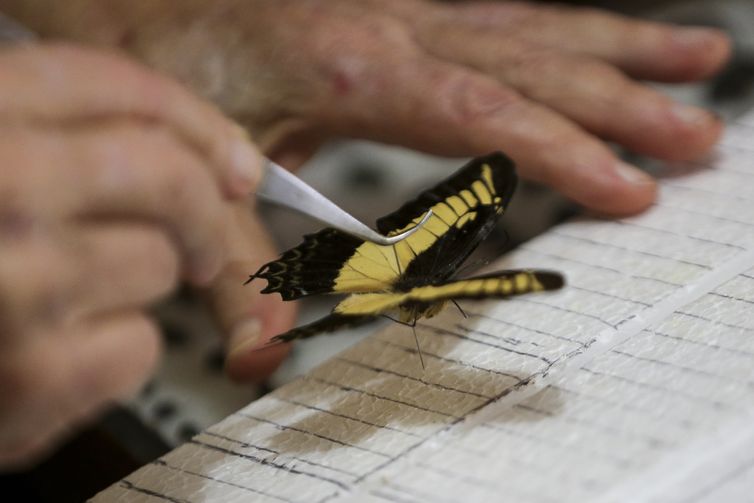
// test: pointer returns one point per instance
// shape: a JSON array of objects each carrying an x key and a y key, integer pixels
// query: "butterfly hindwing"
[
  {"x": 499, "y": 285},
  {"x": 465, "y": 208},
  {"x": 361, "y": 308},
  {"x": 329, "y": 323}
]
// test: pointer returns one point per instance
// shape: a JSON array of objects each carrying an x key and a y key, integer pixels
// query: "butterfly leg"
[
  {"x": 418, "y": 348},
  {"x": 459, "y": 308},
  {"x": 413, "y": 329}
]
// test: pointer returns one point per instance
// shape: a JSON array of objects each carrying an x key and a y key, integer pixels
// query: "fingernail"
[
  {"x": 692, "y": 116},
  {"x": 244, "y": 337},
  {"x": 632, "y": 174},
  {"x": 246, "y": 163}
]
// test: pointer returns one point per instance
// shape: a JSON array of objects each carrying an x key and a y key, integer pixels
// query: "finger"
[
  {"x": 593, "y": 94},
  {"x": 35, "y": 274},
  {"x": 66, "y": 84},
  {"x": 446, "y": 109},
  {"x": 643, "y": 49},
  {"x": 70, "y": 274},
  {"x": 249, "y": 318},
  {"x": 119, "y": 266},
  {"x": 56, "y": 382},
  {"x": 121, "y": 171}
]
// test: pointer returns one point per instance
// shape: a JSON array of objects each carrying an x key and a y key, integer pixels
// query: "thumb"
[{"x": 247, "y": 318}]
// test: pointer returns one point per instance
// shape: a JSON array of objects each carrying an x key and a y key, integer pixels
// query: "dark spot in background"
[
  {"x": 174, "y": 334},
  {"x": 214, "y": 360},
  {"x": 164, "y": 410},
  {"x": 365, "y": 177}
]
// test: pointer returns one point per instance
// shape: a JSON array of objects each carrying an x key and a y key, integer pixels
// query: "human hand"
[
  {"x": 545, "y": 84},
  {"x": 115, "y": 184}
]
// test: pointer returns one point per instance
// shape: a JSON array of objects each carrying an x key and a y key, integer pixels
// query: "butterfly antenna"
[
  {"x": 459, "y": 308},
  {"x": 418, "y": 348}
]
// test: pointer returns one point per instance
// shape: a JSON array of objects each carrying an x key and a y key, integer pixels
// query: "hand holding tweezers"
[{"x": 278, "y": 185}]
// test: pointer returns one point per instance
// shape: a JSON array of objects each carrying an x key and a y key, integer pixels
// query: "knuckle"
[
  {"x": 153, "y": 92},
  {"x": 469, "y": 99},
  {"x": 540, "y": 74},
  {"x": 348, "y": 52},
  {"x": 604, "y": 75}
]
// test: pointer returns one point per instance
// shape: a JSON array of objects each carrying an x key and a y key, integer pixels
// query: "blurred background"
[{"x": 190, "y": 391}]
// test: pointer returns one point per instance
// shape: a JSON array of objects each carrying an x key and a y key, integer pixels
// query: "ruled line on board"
[
  {"x": 622, "y": 274},
  {"x": 381, "y": 397},
  {"x": 345, "y": 416},
  {"x": 270, "y": 464},
  {"x": 460, "y": 363},
  {"x": 320, "y": 436},
  {"x": 677, "y": 393},
  {"x": 438, "y": 386},
  {"x": 278, "y": 455},
  {"x": 485, "y": 316},
  {"x": 221, "y": 481}
]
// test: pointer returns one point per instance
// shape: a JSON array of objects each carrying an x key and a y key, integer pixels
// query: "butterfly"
[{"x": 413, "y": 276}]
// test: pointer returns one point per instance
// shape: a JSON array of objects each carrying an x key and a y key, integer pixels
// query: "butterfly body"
[{"x": 413, "y": 276}]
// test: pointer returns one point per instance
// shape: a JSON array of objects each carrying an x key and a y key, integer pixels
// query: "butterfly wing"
[
  {"x": 329, "y": 323},
  {"x": 361, "y": 308},
  {"x": 465, "y": 208},
  {"x": 498, "y": 285}
]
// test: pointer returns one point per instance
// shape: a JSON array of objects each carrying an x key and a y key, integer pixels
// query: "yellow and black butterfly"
[{"x": 413, "y": 275}]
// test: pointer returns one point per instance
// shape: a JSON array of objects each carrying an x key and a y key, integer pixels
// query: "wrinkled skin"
[
  {"x": 545, "y": 84},
  {"x": 541, "y": 83}
]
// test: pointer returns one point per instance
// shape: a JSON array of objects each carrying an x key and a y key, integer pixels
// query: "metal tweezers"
[{"x": 284, "y": 188}]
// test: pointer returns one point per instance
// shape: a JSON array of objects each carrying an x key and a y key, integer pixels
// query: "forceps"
[{"x": 282, "y": 187}]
